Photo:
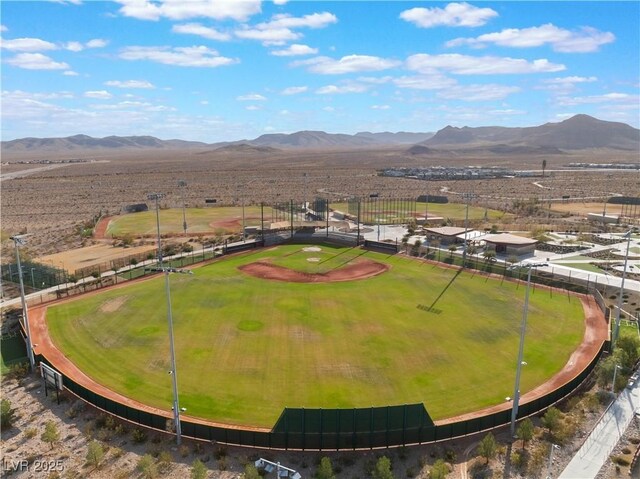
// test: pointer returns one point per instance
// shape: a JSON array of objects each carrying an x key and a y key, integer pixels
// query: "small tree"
[
  {"x": 551, "y": 419},
  {"x": 383, "y": 469},
  {"x": 51, "y": 433},
  {"x": 452, "y": 249},
  {"x": 439, "y": 470},
  {"x": 544, "y": 167},
  {"x": 489, "y": 255},
  {"x": 488, "y": 447},
  {"x": 7, "y": 414},
  {"x": 250, "y": 472},
  {"x": 147, "y": 467},
  {"x": 405, "y": 242},
  {"x": 325, "y": 469},
  {"x": 198, "y": 470},
  {"x": 627, "y": 351},
  {"x": 95, "y": 454},
  {"x": 416, "y": 247},
  {"x": 525, "y": 431}
]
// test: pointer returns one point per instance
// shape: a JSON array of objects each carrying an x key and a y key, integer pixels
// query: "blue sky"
[{"x": 217, "y": 70}]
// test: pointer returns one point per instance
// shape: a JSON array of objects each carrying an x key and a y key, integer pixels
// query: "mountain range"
[{"x": 576, "y": 133}]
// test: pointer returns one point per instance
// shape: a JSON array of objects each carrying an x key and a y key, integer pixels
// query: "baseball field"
[{"x": 328, "y": 327}]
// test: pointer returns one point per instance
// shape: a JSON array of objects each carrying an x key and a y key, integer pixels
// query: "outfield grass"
[
  {"x": 199, "y": 220},
  {"x": 247, "y": 347},
  {"x": 583, "y": 266}
]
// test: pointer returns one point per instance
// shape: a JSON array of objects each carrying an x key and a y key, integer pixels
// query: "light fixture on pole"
[
  {"x": 19, "y": 240},
  {"x": 271, "y": 466},
  {"x": 613, "y": 385},
  {"x": 523, "y": 329},
  {"x": 182, "y": 184},
  {"x": 616, "y": 331},
  {"x": 173, "y": 371},
  {"x": 466, "y": 196},
  {"x": 553, "y": 447}
]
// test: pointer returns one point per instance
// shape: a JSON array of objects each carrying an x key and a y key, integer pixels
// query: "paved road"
[{"x": 605, "y": 435}]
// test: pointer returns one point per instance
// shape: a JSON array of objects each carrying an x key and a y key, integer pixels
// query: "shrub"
[
  {"x": 621, "y": 460},
  {"x": 95, "y": 454},
  {"x": 147, "y": 467},
  {"x": 139, "y": 436},
  {"x": 7, "y": 414},
  {"x": 198, "y": 470},
  {"x": 30, "y": 432}
]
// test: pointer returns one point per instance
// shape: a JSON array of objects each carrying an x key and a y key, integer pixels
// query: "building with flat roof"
[
  {"x": 508, "y": 244},
  {"x": 445, "y": 234}
]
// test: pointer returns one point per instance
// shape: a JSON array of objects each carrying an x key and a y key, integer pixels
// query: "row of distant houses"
[{"x": 502, "y": 243}]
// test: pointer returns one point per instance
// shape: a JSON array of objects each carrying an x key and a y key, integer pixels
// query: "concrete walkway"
[{"x": 603, "y": 438}]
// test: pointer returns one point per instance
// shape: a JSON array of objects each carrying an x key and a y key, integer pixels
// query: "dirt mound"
[{"x": 360, "y": 270}]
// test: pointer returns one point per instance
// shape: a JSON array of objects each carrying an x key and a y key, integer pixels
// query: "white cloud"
[
  {"x": 96, "y": 43},
  {"x": 334, "y": 89},
  {"x": 606, "y": 98},
  {"x": 130, "y": 84},
  {"x": 36, "y": 61},
  {"x": 280, "y": 2},
  {"x": 329, "y": 109},
  {"x": 251, "y": 97},
  {"x": 424, "y": 82},
  {"x": 314, "y": 20},
  {"x": 70, "y": 73},
  {"x": 569, "y": 80},
  {"x": 204, "y": 102},
  {"x": 271, "y": 36},
  {"x": 477, "y": 92},
  {"x": 347, "y": 64},
  {"x": 564, "y": 84},
  {"x": 201, "y": 30},
  {"x": 486, "y": 65},
  {"x": 453, "y": 15},
  {"x": 585, "y": 40},
  {"x": 3, "y": 28},
  {"x": 294, "y": 90},
  {"x": 253, "y": 108},
  {"x": 380, "y": 107},
  {"x": 295, "y": 49},
  {"x": 181, "y": 10},
  {"x": 37, "y": 45},
  {"x": 195, "y": 56},
  {"x": 27, "y": 45},
  {"x": 98, "y": 94},
  {"x": 279, "y": 29},
  {"x": 74, "y": 46}
]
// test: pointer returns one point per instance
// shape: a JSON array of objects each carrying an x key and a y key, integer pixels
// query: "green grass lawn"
[
  {"x": 199, "y": 220},
  {"x": 246, "y": 347}
]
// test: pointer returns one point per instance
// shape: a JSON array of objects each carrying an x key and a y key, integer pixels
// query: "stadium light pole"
[
  {"x": 173, "y": 372},
  {"x": 616, "y": 331},
  {"x": 521, "y": 362},
  {"x": 182, "y": 184},
  {"x": 467, "y": 196},
  {"x": 19, "y": 240}
]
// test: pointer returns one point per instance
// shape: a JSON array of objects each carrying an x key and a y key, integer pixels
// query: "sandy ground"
[
  {"x": 79, "y": 424},
  {"x": 74, "y": 259}
]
